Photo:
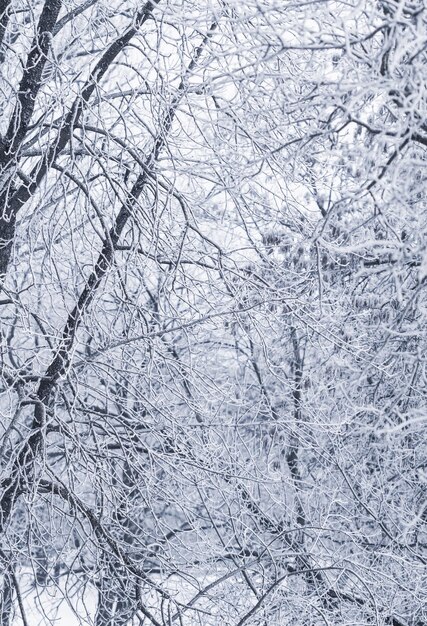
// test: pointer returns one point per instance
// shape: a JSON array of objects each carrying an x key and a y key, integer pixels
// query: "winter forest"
[{"x": 213, "y": 312}]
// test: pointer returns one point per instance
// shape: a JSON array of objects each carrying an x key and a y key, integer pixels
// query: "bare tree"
[{"x": 212, "y": 264}]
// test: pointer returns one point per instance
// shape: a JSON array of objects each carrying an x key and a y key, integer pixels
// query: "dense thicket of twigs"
[{"x": 213, "y": 266}]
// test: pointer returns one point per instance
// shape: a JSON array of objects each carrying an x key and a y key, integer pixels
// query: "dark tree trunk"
[{"x": 6, "y": 601}]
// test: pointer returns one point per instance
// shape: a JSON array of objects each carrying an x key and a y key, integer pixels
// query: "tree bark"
[{"x": 6, "y": 601}]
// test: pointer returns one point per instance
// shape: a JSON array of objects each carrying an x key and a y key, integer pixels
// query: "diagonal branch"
[{"x": 21, "y": 476}]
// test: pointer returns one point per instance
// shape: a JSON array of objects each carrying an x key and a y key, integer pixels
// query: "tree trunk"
[{"x": 6, "y": 601}]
